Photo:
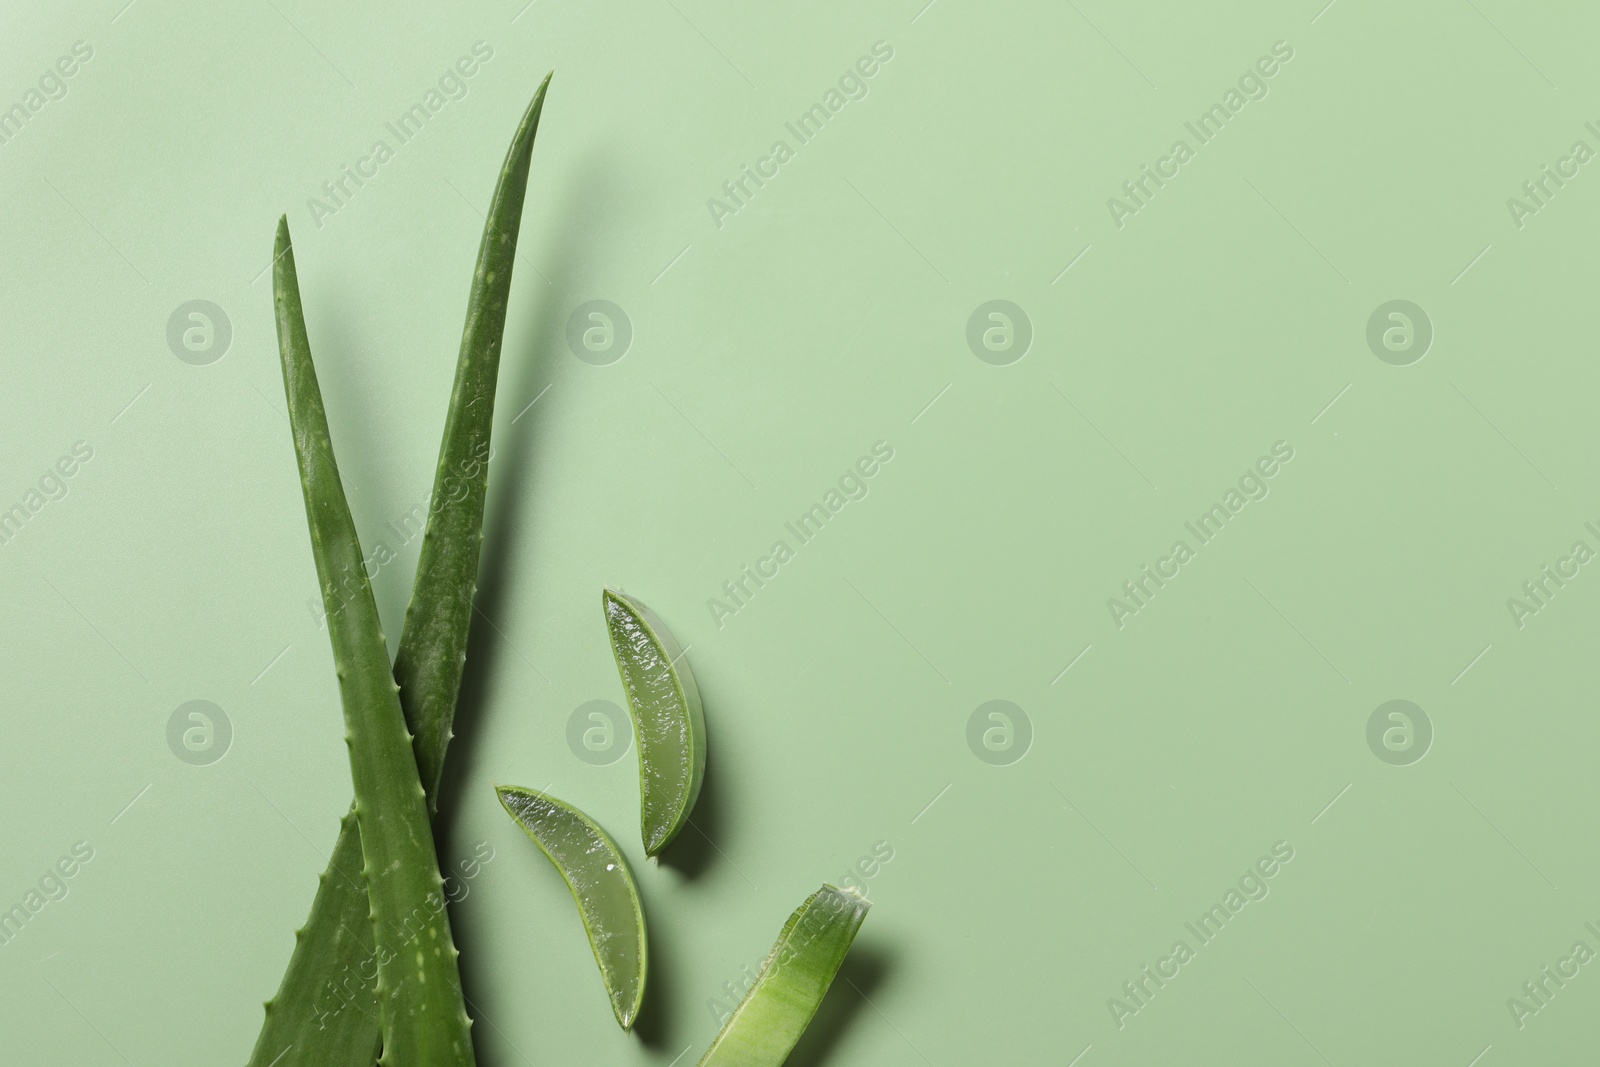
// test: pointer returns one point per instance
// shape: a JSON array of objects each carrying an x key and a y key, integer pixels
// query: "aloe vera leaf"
[
  {"x": 667, "y": 718},
  {"x": 433, "y": 644},
  {"x": 608, "y": 899},
  {"x": 792, "y": 982},
  {"x": 325, "y": 1013},
  {"x": 422, "y": 1013}
]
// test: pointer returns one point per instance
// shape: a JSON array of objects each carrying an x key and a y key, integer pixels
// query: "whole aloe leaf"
[
  {"x": 433, "y": 645},
  {"x": 420, "y": 1005},
  {"x": 325, "y": 1013}
]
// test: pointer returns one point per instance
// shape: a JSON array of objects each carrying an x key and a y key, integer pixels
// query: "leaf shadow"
[
  {"x": 863, "y": 972},
  {"x": 695, "y": 848},
  {"x": 512, "y": 481},
  {"x": 661, "y": 1016}
]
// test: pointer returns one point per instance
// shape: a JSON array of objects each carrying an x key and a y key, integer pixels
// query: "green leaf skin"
[
  {"x": 421, "y": 1010},
  {"x": 325, "y": 1013},
  {"x": 792, "y": 981},
  {"x": 433, "y": 644},
  {"x": 667, "y": 718},
  {"x": 601, "y": 883}
]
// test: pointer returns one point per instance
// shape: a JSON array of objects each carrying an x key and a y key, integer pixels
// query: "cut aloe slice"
[
  {"x": 600, "y": 882},
  {"x": 667, "y": 719},
  {"x": 792, "y": 982}
]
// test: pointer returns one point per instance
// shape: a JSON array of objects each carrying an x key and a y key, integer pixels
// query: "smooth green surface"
[
  {"x": 794, "y": 338},
  {"x": 325, "y": 1011},
  {"x": 421, "y": 1012},
  {"x": 602, "y": 886},
  {"x": 792, "y": 981},
  {"x": 668, "y": 721}
]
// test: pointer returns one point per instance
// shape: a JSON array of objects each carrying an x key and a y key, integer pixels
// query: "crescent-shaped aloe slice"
[
  {"x": 792, "y": 982},
  {"x": 325, "y": 1013},
  {"x": 667, "y": 719},
  {"x": 421, "y": 1010},
  {"x": 600, "y": 882}
]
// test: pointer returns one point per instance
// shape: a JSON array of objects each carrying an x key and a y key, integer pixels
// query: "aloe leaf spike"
[{"x": 421, "y": 1009}]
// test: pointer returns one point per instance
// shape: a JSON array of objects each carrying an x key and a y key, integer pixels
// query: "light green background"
[{"x": 767, "y": 356}]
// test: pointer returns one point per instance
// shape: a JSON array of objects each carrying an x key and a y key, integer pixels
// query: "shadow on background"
[
  {"x": 701, "y": 843},
  {"x": 695, "y": 848},
  {"x": 663, "y": 1017},
  {"x": 511, "y": 483},
  {"x": 865, "y": 968},
  {"x": 862, "y": 974}
]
